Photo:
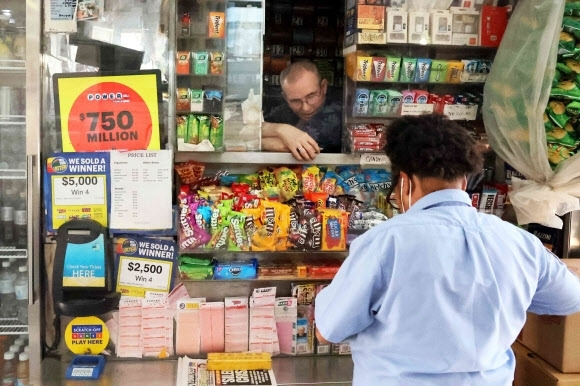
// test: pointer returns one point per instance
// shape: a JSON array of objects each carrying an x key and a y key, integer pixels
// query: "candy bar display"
[
  {"x": 276, "y": 209},
  {"x": 562, "y": 114}
]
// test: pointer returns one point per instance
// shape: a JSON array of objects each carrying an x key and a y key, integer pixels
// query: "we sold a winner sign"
[{"x": 108, "y": 111}]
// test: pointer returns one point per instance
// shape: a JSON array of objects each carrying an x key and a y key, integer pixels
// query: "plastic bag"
[
  {"x": 515, "y": 98},
  {"x": 252, "y": 118}
]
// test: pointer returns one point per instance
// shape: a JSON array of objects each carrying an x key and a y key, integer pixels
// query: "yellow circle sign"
[{"x": 86, "y": 335}]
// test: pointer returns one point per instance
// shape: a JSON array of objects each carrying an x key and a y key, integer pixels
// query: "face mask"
[{"x": 409, "y": 196}]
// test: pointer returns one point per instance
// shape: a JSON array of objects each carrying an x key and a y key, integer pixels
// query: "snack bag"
[
  {"x": 238, "y": 240},
  {"x": 267, "y": 178},
  {"x": 334, "y": 229},
  {"x": 310, "y": 178},
  {"x": 287, "y": 182}
]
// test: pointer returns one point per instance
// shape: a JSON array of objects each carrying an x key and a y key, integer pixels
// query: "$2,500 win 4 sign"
[{"x": 116, "y": 112}]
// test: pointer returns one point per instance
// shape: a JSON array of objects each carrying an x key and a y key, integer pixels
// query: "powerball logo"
[
  {"x": 87, "y": 332},
  {"x": 56, "y": 165}
]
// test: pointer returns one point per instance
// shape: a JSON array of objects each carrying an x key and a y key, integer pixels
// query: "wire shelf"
[
  {"x": 12, "y": 326},
  {"x": 9, "y": 253},
  {"x": 12, "y": 174}
]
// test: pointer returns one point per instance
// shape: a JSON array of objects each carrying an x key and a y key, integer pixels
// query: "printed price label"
[
  {"x": 148, "y": 274},
  {"x": 374, "y": 159},
  {"x": 79, "y": 190},
  {"x": 416, "y": 108},
  {"x": 461, "y": 112},
  {"x": 83, "y": 371}
]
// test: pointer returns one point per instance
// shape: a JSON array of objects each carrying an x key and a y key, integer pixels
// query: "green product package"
[
  {"x": 394, "y": 103},
  {"x": 204, "y": 127},
  {"x": 196, "y": 96},
  {"x": 439, "y": 70},
  {"x": 566, "y": 89},
  {"x": 407, "y": 73},
  {"x": 192, "y": 260},
  {"x": 393, "y": 69},
  {"x": 200, "y": 63},
  {"x": 379, "y": 102},
  {"x": 196, "y": 272},
  {"x": 216, "y": 131},
  {"x": 192, "y": 135},
  {"x": 182, "y": 127}
]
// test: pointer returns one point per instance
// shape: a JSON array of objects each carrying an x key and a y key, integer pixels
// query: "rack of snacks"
[
  {"x": 200, "y": 72},
  {"x": 401, "y": 61}
]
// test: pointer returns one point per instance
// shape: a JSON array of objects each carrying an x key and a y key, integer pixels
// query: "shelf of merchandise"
[
  {"x": 13, "y": 253},
  {"x": 12, "y": 326},
  {"x": 439, "y": 47},
  {"x": 465, "y": 84},
  {"x": 263, "y": 158}
]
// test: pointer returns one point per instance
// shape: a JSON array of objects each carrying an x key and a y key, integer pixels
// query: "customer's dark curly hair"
[{"x": 432, "y": 146}]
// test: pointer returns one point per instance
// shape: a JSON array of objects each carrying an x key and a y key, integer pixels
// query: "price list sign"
[
  {"x": 108, "y": 112},
  {"x": 76, "y": 186},
  {"x": 144, "y": 264}
]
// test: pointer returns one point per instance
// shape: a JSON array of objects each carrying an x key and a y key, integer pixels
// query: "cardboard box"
[
  {"x": 465, "y": 26},
  {"x": 555, "y": 338},
  {"x": 418, "y": 31},
  {"x": 441, "y": 27},
  {"x": 396, "y": 25},
  {"x": 492, "y": 25},
  {"x": 531, "y": 370},
  {"x": 370, "y": 17}
]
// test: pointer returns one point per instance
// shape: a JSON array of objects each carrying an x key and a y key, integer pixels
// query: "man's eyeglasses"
[
  {"x": 390, "y": 193},
  {"x": 310, "y": 99}
]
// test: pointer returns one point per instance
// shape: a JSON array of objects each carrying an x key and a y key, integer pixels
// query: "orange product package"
[
  {"x": 182, "y": 66},
  {"x": 334, "y": 228},
  {"x": 310, "y": 179},
  {"x": 216, "y": 27}
]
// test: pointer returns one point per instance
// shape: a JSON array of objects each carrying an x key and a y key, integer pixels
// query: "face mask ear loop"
[
  {"x": 401, "y": 195},
  {"x": 410, "y": 188}
]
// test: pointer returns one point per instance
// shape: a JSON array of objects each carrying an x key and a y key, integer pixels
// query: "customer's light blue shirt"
[{"x": 436, "y": 296}]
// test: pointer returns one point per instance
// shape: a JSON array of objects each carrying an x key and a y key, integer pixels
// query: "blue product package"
[
  {"x": 236, "y": 270},
  {"x": 423, "y": 70},
  {"x": 361, "y": 104}
]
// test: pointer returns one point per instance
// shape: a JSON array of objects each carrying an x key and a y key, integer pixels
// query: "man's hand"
[
  {"x": 321, "y": 338},
  {"x": 302, "y": 146}
]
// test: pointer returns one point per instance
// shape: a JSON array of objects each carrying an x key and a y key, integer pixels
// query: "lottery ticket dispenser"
[{"x": 82, "y": 282}]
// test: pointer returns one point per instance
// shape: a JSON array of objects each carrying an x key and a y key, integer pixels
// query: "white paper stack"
[
  {"x": 129, "y": 336},
  {"x": 155, "y": 328},
  {"x": 187, "y": 327},
  {"x": 236, "y": 324},
  {"x": 262, "y": 322}
]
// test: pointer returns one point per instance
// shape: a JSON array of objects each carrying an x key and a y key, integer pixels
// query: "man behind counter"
[
  {"x": 308, "y": 122},
  {"x": 437, "y": 294}
]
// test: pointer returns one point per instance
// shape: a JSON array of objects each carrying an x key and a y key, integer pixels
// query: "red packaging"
[
  {"x": 377, "y": 126},
  {"x": 378, "y": 68},
  {"x": 493, "y": 23},
  {"x": 372, "y": 149},
  {"x": 364, "y": 133},
  {"x": 421, "y": 96},
  {"x": 370, "y": 141}
]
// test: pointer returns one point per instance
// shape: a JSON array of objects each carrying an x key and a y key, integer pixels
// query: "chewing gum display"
[
  {"x": 378, "y": 69},
  {"x": 454, "y": 69},
  {"x": 183, "y": 65},
  {"x": 364, "y": 68},
  {"x": 216, "y": 25},
  {"x": 200, "y": 63},
  {"x": 407, "y": 73},
  {"x": 379, "y": 102},
  {"x": 439, "y": 70},
  {"x": 393, "y": 69},
  {"x": 423, "y": 70},
  {"x": 361, "y": 104}
]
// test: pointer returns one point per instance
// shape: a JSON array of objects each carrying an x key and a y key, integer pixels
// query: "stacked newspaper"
[{"x": 194, "y": 372}]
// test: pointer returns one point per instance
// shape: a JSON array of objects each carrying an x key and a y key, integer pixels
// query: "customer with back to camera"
[
  {"x": 438, "y": 294},
  {"x": 308, "y": 122}
]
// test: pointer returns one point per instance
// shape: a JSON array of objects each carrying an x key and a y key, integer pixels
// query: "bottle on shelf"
[
  {"x": 7, "y": 218},
  {"x": 11, "y": 270},
  {"x": 15, "y": 349},
  {"x": 21, "y": 294},
  {"x": 8, "y": 370},
  {"x": 7, "y": 296},
  {"x": 23, "y": 370},
  {"x": 20, "y": 221},
  {"x": 185, "y": 24}
]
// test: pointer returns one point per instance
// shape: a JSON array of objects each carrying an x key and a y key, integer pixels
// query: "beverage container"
[
  {"x": 185, "y": 24},
  {"x": 22, "y": 370},
  {"x": 8, "y": 370},
  {"x": 7, "y": 218},
  {"x": 20, "y": 221},
  {"x": 7, "y": 296},
  {"x": 21, "y": 294},
  {"x": 5, "y": 97}
]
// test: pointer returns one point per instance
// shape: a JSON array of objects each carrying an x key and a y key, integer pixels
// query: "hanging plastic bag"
[{"x": 515, "y": 97}]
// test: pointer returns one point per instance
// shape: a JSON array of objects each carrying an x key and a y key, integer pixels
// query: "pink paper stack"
[
  {"x": 211, "y": 321},
  {"x": 236, "y": 324},
  {"x": 129, "y": 338}
]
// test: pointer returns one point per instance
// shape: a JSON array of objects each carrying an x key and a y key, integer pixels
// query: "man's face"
[{"x": 306, "y": 95}]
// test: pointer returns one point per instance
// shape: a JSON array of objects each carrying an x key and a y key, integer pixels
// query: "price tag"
[
  {"x": 117, "y": 112},
  {"x": 416, "y": 108},
  {"x": 147, "y": 274},
  {"x": 461, "y": 112},
  {"x": 79, "y": 190},
  {"x": 374, "y": 159}
]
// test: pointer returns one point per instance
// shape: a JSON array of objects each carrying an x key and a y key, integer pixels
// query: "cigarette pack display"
[
  {"x": 441, "y": 27},
  {"x": 396, "y": 25},
  {"x": 418, "y": 31}
]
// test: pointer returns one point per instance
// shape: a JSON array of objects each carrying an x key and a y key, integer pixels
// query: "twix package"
[{"x": 216, "y": 26}]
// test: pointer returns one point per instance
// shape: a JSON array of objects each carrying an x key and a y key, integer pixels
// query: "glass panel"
[{"x": 13, "y": 209}]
